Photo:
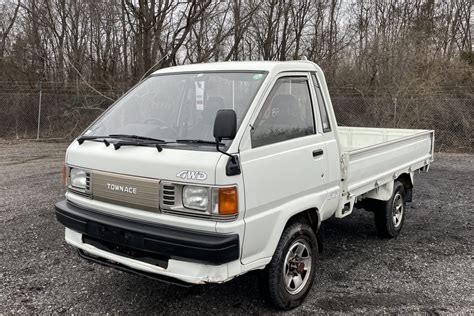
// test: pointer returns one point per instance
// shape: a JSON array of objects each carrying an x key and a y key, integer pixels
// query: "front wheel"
[
  {"x": 291, "y": 272},
  {"x": 390, "y": 215}
]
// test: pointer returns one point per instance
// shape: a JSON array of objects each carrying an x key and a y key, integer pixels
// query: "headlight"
[
  {"x": 196, "y": 198},
  {"x": 78, "y": 178},
  {"x": 203, "y": 201}
]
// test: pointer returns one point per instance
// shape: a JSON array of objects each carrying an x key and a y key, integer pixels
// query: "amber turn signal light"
[{"x": 228, "y": 201}]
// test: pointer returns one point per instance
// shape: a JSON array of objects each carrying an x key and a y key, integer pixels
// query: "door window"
[
  {"x": 286, "y": 114},
  {"x": 322, "y": 106}
]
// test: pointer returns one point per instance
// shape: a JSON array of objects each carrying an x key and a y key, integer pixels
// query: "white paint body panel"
[{"x": 277, "y": 180}]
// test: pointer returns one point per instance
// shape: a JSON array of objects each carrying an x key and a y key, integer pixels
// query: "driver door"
[{"x": 285, "y": 166}]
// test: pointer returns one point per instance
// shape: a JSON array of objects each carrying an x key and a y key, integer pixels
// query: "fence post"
[
  {"x": 39, "y": 112},
  {"x": 395, "y": 112}
]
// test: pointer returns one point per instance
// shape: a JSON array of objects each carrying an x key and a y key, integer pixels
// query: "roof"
[{"x": 271, "y": 66}]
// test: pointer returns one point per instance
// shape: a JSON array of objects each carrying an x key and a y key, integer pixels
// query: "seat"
[
  {"x": 204, "y": 129},
  {"x": 283, "y": 107},
  {"x": 211, "y": 106}
]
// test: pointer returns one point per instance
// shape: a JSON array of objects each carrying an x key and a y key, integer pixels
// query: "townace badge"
[{"x": 122, "y": 188}]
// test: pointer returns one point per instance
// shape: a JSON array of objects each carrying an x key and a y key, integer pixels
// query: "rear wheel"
[
  {"x": 290, "y": 274},
  {"x": 389, "y": 215}
]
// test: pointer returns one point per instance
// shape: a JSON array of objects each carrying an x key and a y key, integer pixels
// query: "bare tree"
[
  {"x": 7, "y": 23},
  {"x": 114, "y": 43}
]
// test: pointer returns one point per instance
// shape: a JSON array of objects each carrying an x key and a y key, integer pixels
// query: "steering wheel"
[
  {"x": 157, "y": 121},
  {"x": 161, "y": 123}
]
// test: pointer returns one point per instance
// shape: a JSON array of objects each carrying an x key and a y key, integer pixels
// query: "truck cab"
[{"x": 201, "y": 173}]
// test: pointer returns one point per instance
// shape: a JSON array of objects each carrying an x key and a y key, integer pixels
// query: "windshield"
[{"x": 179, "y": 106}]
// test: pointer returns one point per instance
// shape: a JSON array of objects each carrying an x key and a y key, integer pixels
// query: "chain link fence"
[
  {"x": 450, "y": 116},
  {"x": 29, "y": 116},
  {"x": 48, "y": 114}
]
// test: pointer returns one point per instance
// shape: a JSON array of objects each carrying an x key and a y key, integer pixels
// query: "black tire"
[
  {"x": 389, "y": 215},
  {"x": 299, "y": 235}
]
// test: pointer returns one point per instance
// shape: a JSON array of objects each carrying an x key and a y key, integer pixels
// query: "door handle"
[{"x": 317, "y": 152}]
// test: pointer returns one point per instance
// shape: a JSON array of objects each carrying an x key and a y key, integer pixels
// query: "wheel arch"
[
  {"x": 407, "y": 180},
  {"x": 384, "y": 192},
  {"x": 263, "y": 230},
  {"x": 313, "y": 218}
]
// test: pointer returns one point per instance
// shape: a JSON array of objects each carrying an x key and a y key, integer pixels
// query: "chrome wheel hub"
[
  {"x": 397, "y": 210},
  {"x": 297, "y": 266}
]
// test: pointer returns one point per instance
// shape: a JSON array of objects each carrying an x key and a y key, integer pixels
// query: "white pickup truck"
[{"x": 203, "y": 172}]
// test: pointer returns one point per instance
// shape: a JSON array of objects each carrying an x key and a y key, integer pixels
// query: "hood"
[{"x": 178, "y": 165}]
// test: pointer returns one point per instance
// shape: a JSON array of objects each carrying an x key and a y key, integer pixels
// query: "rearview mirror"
[{"x": 225, "y": 124}]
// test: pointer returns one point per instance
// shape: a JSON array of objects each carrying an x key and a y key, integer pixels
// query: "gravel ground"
[{"x": 426, "y": 269}]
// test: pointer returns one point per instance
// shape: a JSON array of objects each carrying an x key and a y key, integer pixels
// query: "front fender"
[{"x": 264, "y": 229}]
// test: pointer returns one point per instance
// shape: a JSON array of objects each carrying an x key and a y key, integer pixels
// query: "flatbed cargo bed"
[{"x": 372, "y": 157}]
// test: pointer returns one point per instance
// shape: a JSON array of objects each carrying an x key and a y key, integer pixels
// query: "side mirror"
[{"x": 225, "y": 125}]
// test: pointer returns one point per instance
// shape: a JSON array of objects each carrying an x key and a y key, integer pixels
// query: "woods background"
[{"x": 390, "y": 63}]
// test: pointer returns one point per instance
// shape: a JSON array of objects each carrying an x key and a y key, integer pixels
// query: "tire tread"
[
  {"x": 383, "y": 212},
  {"x": 272, "y": 272}
]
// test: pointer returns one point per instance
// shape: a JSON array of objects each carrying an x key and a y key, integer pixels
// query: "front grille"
[
  {"x": 130, "y": 191},
  {"x": 88, "y": 182},
  {"x": 168, "y": 192}
]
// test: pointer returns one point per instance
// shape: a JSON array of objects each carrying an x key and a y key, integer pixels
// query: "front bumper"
[{"x": 151, "y": 248}]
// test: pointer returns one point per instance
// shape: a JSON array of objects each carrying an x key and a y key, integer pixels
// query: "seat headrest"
[
  {"x": 211, "y": 106},
  {"x": 282, "y": 106},
  {"x": 214, "y": 104}
]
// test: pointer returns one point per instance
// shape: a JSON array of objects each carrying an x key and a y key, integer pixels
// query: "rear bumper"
[{"x": 151, "y": 243}]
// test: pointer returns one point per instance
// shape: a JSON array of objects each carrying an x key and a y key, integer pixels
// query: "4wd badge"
[{"x": 192, "y": 175}]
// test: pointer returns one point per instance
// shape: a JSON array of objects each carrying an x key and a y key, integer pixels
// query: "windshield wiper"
[
  {"x": 156, "y": 144},
  {"x": 198, "y": 141},
  {"x": 139, "y": 140},
  {"x": 161, "y": 141},
  {"x": 82, "y": 139}
]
